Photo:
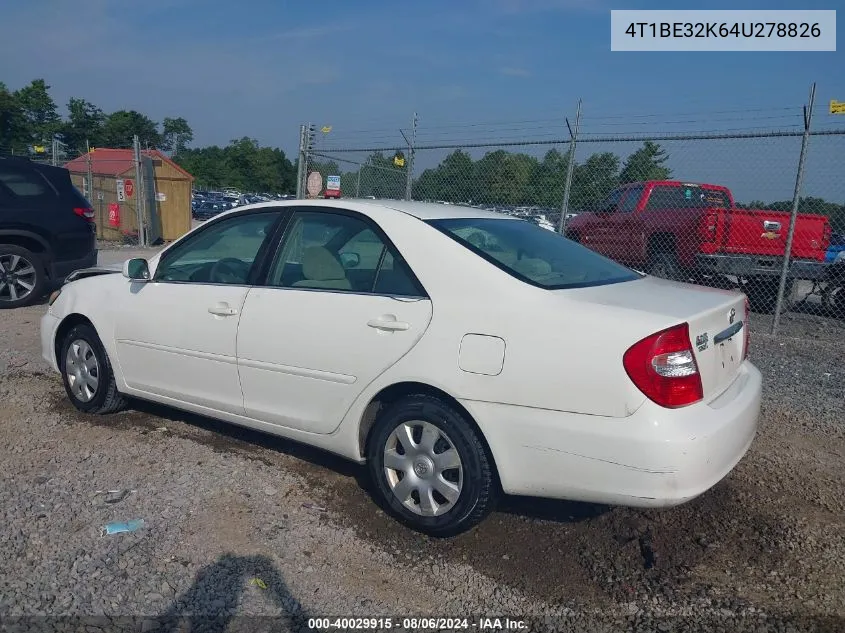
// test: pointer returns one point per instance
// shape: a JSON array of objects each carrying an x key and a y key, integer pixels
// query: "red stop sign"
[{"x": 128, "y": 188}]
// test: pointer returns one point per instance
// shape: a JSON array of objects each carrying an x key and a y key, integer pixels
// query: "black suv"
[{"x": 46, "y": 230}]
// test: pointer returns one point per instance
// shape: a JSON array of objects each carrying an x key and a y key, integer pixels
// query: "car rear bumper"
[
  {"x": 760, "y": 265},
  {"x": 60, "y": 270},
  {"x": 49, "y": 325},
  {"x": 655, "y": 457}
]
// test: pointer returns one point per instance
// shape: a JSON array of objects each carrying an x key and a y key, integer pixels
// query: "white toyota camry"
[{"x": 460, "y": 353}]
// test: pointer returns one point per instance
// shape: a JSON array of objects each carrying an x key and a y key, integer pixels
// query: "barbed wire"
[{"x": 692, "y": 136}]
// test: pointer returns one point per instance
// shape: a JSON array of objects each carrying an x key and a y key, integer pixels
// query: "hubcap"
[
  {"x": 17, "y": 277},
  {"x": 423, "y": 468},
  {"x": 82, "y": 370}
]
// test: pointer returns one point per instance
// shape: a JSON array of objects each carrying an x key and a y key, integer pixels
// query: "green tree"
[
  {"x": 594, "y": 179},
  {"x": 452, "y": 180},
  {"x": 121, "y": 126},
  {"x": 41, "y": 119},
  {"x": 13, "y": 136},
  {"x": 647, "y": 163},
  {"x": 84, "y": 123},
  {"x": 243, "y": 164},
  {"x": 176, "y": 135},
  {"x": 549, "y": 180}
]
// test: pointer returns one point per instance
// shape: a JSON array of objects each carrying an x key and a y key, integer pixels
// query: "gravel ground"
[{"x": 239, "y": 525}]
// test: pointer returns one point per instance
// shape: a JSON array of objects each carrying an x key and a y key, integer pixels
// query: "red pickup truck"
[{"x": 694, "y": 232}]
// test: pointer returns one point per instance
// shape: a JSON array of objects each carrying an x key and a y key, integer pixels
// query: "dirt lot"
[{"x": 238, "y": 524}]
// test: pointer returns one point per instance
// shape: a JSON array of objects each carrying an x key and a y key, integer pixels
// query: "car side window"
[
  {"x": 610, "y": 203},
  {"x": 632, "y": 198},
  {"x": 333, "y": 251},
  {"x": 222, "y": 253},
  {"x": 26, "y": 184}
]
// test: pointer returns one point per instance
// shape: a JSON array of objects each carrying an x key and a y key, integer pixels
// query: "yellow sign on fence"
[{"x": 837, "y": 107}]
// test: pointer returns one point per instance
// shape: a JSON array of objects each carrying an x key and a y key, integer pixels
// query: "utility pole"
[
  {"x": 573, "y": 137},
  {"x": 409, "y": 168},
  {"x": 141, "y": 198},
  {"x": 55, "y": 151},
  {"x": 89, "y": 172},
  {"x": 300, "y": 164},
  {"x": 796, "y": 198}
]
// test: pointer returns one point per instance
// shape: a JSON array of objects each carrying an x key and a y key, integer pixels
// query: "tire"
[
  {"x": 762, "y": 293},
  {"x": 101, "y": 398},
  {"x": 664, "y": 265},
  {"x": 474, "y": 488},
  {"x": 22, "y": 277}
]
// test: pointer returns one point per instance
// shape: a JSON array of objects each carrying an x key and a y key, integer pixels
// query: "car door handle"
[
  {"x": 388, "y": 324},
  {"x": 222, "y": 309}
]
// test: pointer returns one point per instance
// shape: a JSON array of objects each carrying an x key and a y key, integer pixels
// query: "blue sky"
[{"x": 494, "y": 69}]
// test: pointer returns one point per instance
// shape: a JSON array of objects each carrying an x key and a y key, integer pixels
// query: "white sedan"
[{"x": 459, "y": 353}]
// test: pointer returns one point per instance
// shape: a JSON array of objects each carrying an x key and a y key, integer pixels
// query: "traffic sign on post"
[
  {"x": 121, "y": 190},
  {"x": 128, "y": 187}
]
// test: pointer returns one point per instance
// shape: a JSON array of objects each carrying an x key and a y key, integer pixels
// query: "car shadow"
[
  {"x": 554, "y": 510},
  {"x": 211, "y": 603},
  {"x": 227, "y": 437}
]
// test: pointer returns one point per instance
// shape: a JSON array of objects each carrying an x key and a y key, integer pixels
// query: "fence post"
[
  {"x": 570, "y": 167},
  {"x": 409, "y": 172},
  {"x": 300, "y": 166},
  {"x": 141, "y": 198},
  {"x": 358, "y": 179},
  {"x": 796, "y": 198}
]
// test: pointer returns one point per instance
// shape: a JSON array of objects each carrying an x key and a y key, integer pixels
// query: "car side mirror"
[
  {"x": 136, "y": 269},
  {"x": 350, "y": 260}
]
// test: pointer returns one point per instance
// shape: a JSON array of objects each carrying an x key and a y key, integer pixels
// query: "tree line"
[{"x": 30, "y": 120}]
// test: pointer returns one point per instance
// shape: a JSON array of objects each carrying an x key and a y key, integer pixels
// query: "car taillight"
[
  {"x": 663, "y": 367},
  {"x": 747, "y": 327},
  {"x": 709, "y": 222},
  {"x": 84, "y": 212}
]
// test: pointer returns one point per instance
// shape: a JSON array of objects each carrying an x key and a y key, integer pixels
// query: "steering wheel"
[{"x": 229, "y": 270}]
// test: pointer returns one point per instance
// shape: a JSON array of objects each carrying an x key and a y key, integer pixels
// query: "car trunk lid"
[{"x": 717, "y": 321}]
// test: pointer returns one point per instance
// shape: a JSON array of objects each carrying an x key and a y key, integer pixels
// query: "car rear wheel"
[
  {"x": 665, "y": 265},
  {"x": 87, "y": 372},
  {"x": 22, "y": 277},
  {"x": 430, "y": 468}
]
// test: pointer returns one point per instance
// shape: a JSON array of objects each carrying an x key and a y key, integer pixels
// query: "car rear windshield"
[
  {"x": 687, "y": 197},
  {"x": 533, "y": 254}
]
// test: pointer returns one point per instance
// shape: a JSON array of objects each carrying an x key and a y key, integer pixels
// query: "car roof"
[
  {"x": 420, "y": 210},
  {"x": 432, "y": 210}
]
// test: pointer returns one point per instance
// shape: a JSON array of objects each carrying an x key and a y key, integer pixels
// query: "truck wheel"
[
  {"x": 762, "y": 293},
  {"x": 664, "y": 265}
]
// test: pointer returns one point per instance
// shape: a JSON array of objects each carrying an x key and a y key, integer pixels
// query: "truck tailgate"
[{"x": 761, "y": 232}]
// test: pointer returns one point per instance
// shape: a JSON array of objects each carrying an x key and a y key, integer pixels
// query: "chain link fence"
[{"x": 712, "y": 209}]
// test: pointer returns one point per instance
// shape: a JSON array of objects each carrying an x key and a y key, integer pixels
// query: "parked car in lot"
[
  {"x": 686, "y": 231},
  {"x": 208, "y": 209},
  {"x": 459, "y": 353},
  {"x": 46, "y": 230}
]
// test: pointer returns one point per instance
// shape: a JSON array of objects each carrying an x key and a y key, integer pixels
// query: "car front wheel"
[
  {"x": 87, "y": 372},
  {"x": 430, "y": 468}
]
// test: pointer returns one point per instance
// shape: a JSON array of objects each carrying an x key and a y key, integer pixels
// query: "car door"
[
  {"x": 176, "y": 334},
  {"x": 621, "y": 227},
  {"x": 595, "y": 234},
  {"x": 339, "y": 306}
]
